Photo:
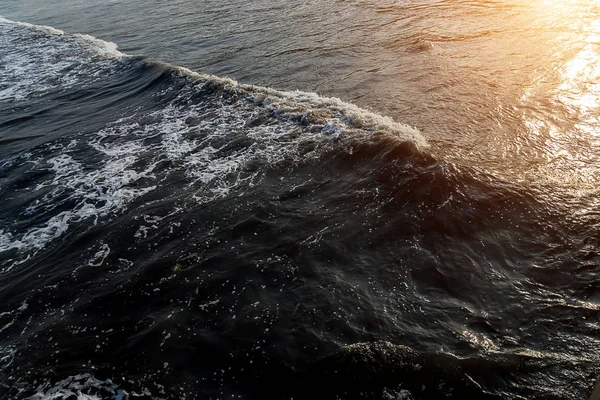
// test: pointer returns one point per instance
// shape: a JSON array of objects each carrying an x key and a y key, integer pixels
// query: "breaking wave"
[{"x": 215, "y": 134}]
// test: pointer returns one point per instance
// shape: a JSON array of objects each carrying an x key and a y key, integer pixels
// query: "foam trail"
[{"x": 102, "y": 46}]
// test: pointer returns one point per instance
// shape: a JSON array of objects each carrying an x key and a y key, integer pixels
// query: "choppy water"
[{"x": 426, "y": 227}]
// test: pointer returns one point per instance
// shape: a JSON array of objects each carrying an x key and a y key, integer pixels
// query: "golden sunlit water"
[
  {"x": 536, "y": 118},
  {"x": 570, "y": 129}
]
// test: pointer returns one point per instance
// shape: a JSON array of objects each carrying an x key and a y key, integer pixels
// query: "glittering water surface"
[{"x": 183, "y": 216}]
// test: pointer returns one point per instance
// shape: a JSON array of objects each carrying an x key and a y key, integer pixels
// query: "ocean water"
[{"x": 278, "y": 200}]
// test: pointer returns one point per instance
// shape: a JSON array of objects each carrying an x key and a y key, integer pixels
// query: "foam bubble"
[
  {"x": 399, "y": 394},
  {"x": 82, "y": 386},
  {"x": 98, "y": 258}
]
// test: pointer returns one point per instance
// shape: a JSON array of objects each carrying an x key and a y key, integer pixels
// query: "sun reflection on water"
[{"x": 570, "y": 129}]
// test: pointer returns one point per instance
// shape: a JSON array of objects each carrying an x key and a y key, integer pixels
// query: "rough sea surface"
[{"x": 299, "y": 200}]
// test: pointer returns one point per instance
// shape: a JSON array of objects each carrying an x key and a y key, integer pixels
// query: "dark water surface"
[{"x": 173, "y": 234}]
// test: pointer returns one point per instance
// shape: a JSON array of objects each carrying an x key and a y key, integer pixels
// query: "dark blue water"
[{"x": 166, "y": 233}]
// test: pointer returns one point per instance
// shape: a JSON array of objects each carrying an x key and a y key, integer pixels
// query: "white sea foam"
[
  {"x": 7, "y": 355},
  {"x": 41, "y": 28},
  {"x": 398, "y": 394},
  {"x": 38, "y": 59},
  {"x": 95, "y": 192},
  {"x": 99, "y": 45},
  {"x": 335, "y": 115},
  {"x": 81, "y": 387},
  {"x": 216, "y": 156},
  {"x": 98, "y": 258}
]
